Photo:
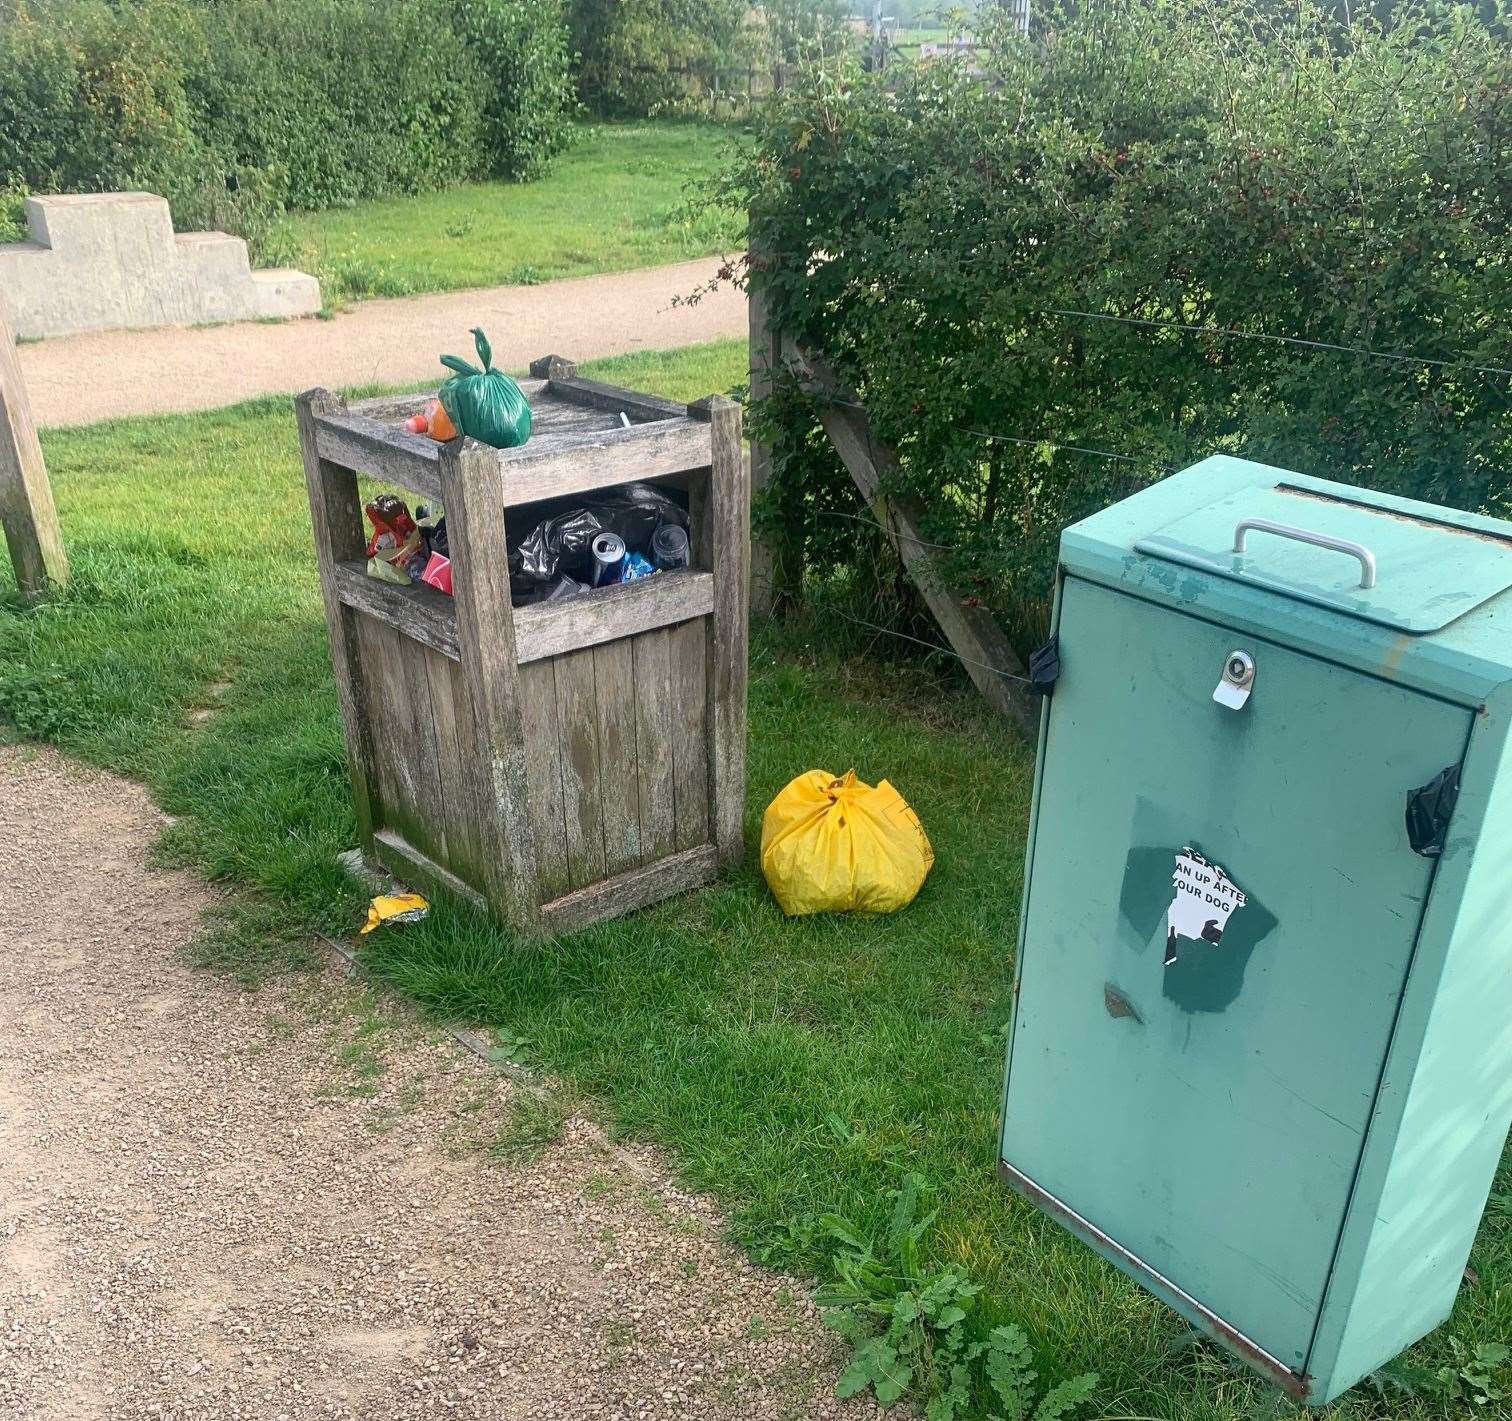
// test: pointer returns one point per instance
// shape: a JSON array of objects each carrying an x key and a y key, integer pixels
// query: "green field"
[
  {"x": 786, "y": 1066},
  {"x": 614, "y": 201}
]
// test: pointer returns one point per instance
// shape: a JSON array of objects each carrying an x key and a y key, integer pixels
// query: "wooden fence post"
[
  {"x": 26, "y": 501},
  {"x": 985, "y": 651}
]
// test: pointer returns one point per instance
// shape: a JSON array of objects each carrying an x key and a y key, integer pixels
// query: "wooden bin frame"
[{"x": 698, "y": 446}]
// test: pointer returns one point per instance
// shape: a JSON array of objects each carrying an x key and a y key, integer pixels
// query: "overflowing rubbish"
[
  {"x": 396, "y": 551},
  {"x": 609, "y": 538},
  {"x": 395, "y": 908},
  {"x": 431, "y": 520},
  {"x": 669, "y": 547},
  {"x": 439, "y": 423},
  {"x": 408, "y": 548},
  {"x": 438, "y": 574},
  {"x": 434, "y": 421},
  {"x": 833, "y": 844},
  {"x": 608, "y": 558},
  {"x": 484, "y": 403},
  {"x": 573, "y": 547},
  {"x": 559, "y": 587}
]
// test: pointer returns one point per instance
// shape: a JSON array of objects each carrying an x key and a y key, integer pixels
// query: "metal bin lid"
[{"x": 1342, "y": 548}]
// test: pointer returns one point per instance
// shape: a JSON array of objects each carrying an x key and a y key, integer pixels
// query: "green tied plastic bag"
[{"x": 485, "y": 404}]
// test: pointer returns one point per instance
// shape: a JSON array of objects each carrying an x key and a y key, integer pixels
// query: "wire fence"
[
  {"x": 883, "y": 607},
  {"x": 830, "y": 607}
]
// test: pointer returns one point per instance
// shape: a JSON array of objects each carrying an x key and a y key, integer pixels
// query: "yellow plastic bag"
[{"x": 833, "y": 845}]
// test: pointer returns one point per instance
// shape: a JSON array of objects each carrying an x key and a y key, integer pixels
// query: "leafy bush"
[
  {"x": 913, "y": 1328},
  {"x": 345, "y": 99},
  {"x": 235, "y": 111},
  {"x": 1262, "y": 166},
  {"x": 635, "y": 58},
  {"x": 520, "y": 49},
  {"x": 629, "y": 52}
]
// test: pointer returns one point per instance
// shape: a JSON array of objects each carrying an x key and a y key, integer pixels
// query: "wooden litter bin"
[{"x": 562, "y": 762}]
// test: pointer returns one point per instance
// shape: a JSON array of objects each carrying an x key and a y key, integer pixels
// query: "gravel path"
[
  {"x": 79, "y": 379},
  {"x": 301, "y": 1203}
]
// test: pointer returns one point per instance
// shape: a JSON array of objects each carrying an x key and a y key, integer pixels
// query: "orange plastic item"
[{"x": 440, "y": 426}]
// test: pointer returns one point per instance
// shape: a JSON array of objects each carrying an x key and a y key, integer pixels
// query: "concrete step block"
[
  {"x": 281, "y": 291},
  {"x": 103, "y": 261},
  {"x": 88, "y": 223},
  {"x": 215, "y": 256}
]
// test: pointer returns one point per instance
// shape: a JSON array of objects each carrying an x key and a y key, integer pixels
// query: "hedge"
[
  {"x": 238, "y": 109},
  {"x": 1259, "y": 166},
  {"x": 634, "y": 58}
]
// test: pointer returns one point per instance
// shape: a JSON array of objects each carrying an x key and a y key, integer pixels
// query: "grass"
[
  {"x": 612, "y": 202},
  {"x": 787, "y": 1066}
]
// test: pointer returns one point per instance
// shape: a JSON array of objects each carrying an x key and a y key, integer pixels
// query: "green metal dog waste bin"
[{"x": 1261, "y": 1052}]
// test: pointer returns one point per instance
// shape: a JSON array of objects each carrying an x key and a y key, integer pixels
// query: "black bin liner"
[{"x": 557, "y": 549}]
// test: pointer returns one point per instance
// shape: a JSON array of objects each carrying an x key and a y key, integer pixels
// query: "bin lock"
[{"x": 1237, "y": 681}]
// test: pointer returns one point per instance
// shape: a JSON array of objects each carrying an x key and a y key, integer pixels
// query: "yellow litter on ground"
[{"x": 395, "y": 908}]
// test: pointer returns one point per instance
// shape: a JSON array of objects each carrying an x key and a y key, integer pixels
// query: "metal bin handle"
[{"x": 1318, "y": 540}]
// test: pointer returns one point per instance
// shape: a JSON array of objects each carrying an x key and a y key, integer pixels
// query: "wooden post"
[
  {"x": 26, "y": 501},
  {"x": 984, "y": 649},
  {"x": 553, "y": 367},
  {"x": 472, "y": 491},
  {"x": 729, "y": 541},
  {"x": 336, "y": 517}
]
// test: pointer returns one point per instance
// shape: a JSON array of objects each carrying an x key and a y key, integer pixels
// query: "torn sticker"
[{"x": 1205, "y": 898}]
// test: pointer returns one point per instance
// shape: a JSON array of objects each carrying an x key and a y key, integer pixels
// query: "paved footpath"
[
  {"x": 300, "y": 1204},
  {"x": 79, "y": 379}
]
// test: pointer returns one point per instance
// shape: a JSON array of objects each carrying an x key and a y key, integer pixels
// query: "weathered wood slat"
[
  {"x": 651, "y": 676},
  {"x": 553, "y": 367},
  {"x": 420, "y": 613},
  {"x": 582, "y": 811},
  {"x": 456, "y": 804},
  {"x": 688, "y": 652},
  {"x": 27, "y": 511},
  {"x": 381, "y": 451},
  {"x": 557, "y": 427},
  {"x": 396, "y": 738},
  {"x": 556, "y": 421},
  {"x": 336, "y": 517},
  {"x": 609, "y": 613},
  {"x": 409, "y": 864},
  {"x": 640, "y": 407},
  {"x": 385, "y": 802},
  {"x": 646, "y": 451},
  {"x": 475, "y": 787},
  {"x": 485, "y": 634},
  {"x": 543, "y": 775},
  {"x": 984, "y": 649},
  {"x": 636, "y": 889},
  {"x": 395, "y": 409},
  {"x": 729, "y": 516},
  {"x": 432, "y": 813},
  {"x": 619, "y": 792},
  {"x": 545, "y": 630}
]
